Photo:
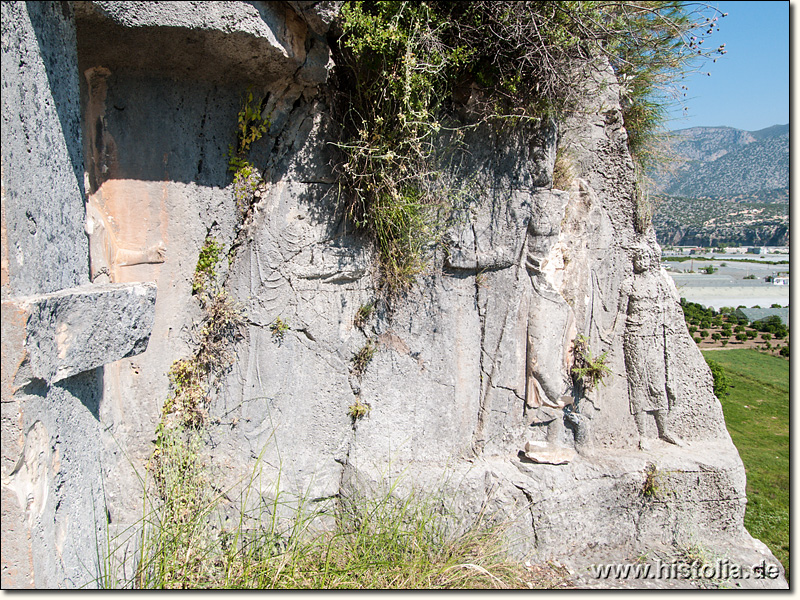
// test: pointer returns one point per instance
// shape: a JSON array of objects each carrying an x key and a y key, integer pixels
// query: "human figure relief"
[
  {"x": 550, "y": 328},
  {"x": 647, "y": 334},
  {"x": 106, "y": 255}
]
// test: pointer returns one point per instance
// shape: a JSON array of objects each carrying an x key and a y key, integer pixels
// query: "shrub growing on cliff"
[
  {"x": 720, "y": 378},
  {"x": 251, "y": 126},
  {"x": 587, "y": 369},
  {"x": 402, "y": 66},
  {"x": 206, "y": 270}
]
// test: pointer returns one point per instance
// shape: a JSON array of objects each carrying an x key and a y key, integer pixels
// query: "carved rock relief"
[
  {"x": 30, "y": 478},
  {"x": 122, "y": 230},
  {"x": 646, "y": 311}
]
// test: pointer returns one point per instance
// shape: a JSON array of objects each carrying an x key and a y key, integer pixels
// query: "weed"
[
  {"x": 358, "y": 409},
  {"x": 245, "y": 183},
  {"x": 251, "y": 126},
  {"x": 363, "y": 314},
  {"x": 563, "y": 171},
  {"x": 362, "y": 358},
  {"x": 696, "y": 553},
  {"x": 279, "y": 327},
  {"x": 205, "y": 272},
  {"x": 191, "y": 378},
  {"x": 587, "y": 369},
  {"x": 655, "y": 483},
  {"x": 357, "y": 541},
  {"x": 400, "y": 65},
  {"x": 650, "y": 488}
]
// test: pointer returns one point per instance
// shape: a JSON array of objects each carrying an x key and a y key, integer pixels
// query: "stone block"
[{"x": 79, "y": 329}]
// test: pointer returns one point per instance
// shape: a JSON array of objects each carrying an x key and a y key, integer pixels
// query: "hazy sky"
[{"x": 749, "y": 86}]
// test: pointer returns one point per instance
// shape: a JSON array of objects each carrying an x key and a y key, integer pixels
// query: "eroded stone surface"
[{"x": 79, "y": 329}]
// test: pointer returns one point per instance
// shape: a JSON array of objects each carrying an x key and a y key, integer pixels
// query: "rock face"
[
  {"x": 470, "y": 387},
  {"x": 57, "y": 328}
]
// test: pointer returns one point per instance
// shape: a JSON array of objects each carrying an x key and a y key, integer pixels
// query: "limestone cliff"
[{"x": 116, "y": 121}]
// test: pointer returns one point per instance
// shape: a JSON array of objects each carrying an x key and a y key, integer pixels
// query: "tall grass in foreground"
[
  {"x": 757, "y": 415},
  {"x": 193, "y": 536}
]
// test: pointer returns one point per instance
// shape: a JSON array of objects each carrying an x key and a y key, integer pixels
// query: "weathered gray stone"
[
  {"x": 44, "y": 248},
  {"x": 80, "y": 329},
  {"x": 319, "y": 14},
  {"x": 213, "y": 41}
]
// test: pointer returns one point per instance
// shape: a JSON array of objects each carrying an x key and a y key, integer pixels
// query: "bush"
[
  {"x": 400, "y": 65},
  {"x": 588, "y": 370},
  {"x": 720, "y": 378},
  {"x": 741, "y": 336}
]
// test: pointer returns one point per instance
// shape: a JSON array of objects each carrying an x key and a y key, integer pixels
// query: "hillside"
[{"x": 725, "y": 185}]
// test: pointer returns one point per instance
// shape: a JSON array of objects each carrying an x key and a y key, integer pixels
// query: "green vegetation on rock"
[{"x": 402, "y": 67}]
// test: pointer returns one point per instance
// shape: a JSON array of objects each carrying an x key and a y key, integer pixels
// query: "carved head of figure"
[{"x": 643, "y": 260}]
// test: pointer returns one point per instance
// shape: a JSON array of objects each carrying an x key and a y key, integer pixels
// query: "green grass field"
[{"x": 757, "y": 415}]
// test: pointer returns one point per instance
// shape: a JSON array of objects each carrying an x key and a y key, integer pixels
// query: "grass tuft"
[
  {"x": 277, "y": 542},
  {"x": 363, "y": 314},
  {"x": 362, "y": 358}
]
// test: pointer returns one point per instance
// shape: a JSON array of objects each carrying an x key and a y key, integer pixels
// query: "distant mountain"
[
  {"x": 722, "y": 161},
  {"x": 742, "y": 178}
]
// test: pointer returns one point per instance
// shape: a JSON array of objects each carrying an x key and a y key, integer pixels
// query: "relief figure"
[{"x": 644, "y": 300}]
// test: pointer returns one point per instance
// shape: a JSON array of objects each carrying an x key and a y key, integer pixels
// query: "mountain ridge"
[{"x": 733, "y": 172}]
